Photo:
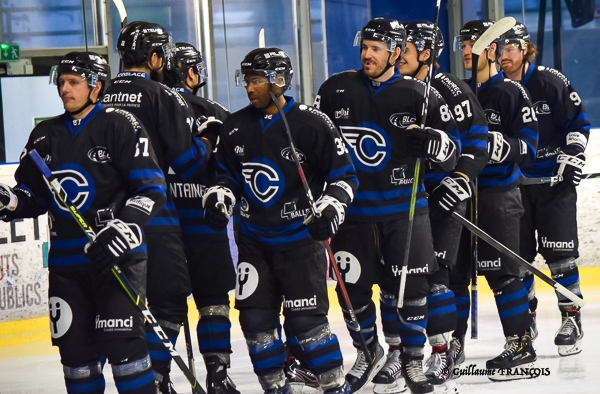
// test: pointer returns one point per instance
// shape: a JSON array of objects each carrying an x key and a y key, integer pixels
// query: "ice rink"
[{"x": 35, "y": 368}]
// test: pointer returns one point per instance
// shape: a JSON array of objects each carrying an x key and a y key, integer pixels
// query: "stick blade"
[
  {"x": 500, "y": 27},
  {"x": 261, "y": 38},
  {"x": 121, "y": 9}
]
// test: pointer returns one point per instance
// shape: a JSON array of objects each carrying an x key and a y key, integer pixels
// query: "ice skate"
[
  {"x": 515, "y": 361},
  {"x": 412, "y": 371},
  {"x": 301, "y": 379},
  {"x": 533, "y": 330},
  {"x": 568, "y": 337},
  {"x": 364, "y": 370},
  {"x": 345, "y": 389},
  {"x": 286, "y": 389},
  {"x": 217, "y": 379},
  {"x": 457, "y": 346},
  {"x": 389, "y": 379},
  {"x": 439, "y": 367},
  {"x": 163, "y": 384}
]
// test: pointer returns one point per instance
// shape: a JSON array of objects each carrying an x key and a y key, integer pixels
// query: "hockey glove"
[
  {"x": 333, "y": 213},
  {"x": 208, "y": 128},
  {"x": 569, "y": 168},
  {"x": 498, "y": 147},
  {"x": 218, "y": 203},
  {"x": 8, "y": 199},
  {"x": 453, "y": 190},
  {"x": 429, "y": 143},
  {"x": 113, "y": 242}
]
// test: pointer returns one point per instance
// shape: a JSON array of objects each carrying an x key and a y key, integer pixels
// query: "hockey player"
[
  {"x": 145, "y": 50},
  {"x": 513, "y": 138},
  {"x": 373, "y": 108},
  {"x": 278, "y": 259},
  {"x": 550, "y": 210},
  {"x": 207, "y": 251},
  {"x": 103, "y": 160},
  {"x": 448, "y": 192}
]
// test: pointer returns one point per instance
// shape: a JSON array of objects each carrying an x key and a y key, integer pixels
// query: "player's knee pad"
[
  {"x": 413, "y": 321},
  {"x": 388, "y": 304},
  {"x": 134, "y": 376},
  {"x": 257, "y": 320},
  {"x": 319, "y": 348},
  {"x": 565, "y": 272},
  {"x": 296, "y": 324},
  {"x": 86, "y": 379},
  {"x": 441, "y": 306}
]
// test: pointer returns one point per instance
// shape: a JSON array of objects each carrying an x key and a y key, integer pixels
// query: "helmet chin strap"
[
  {"x": 84, "y": 106},
  {"x": 389, "y": 65}
]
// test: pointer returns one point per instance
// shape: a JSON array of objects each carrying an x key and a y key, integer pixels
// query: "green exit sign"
[{"x": 9, "y": 52}]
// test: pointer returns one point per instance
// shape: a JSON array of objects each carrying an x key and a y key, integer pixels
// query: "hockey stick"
[
  {"x": 485, "y": 40},
  {"x": 123, "y": 18},
  {"x": 415, "y": 184},
  {"x": 316, "y": 214},
  {"x": 188, "y": 346},
  {"x": 591, "y": 176},
  {"x": 552, "y": 180},
  {"x": 518, "y": 259},
  {"x": 61, "y": 194}
]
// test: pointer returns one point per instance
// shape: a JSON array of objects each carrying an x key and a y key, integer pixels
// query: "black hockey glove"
[
  {"x": 208, "y": 128},
  {"x": 326, "y": 226},
  {"x": 429, "y": 143},
  {"x": 8, "y": 199},
  {"x": 113, "y": 242},
  {"x": 453, "y": 190},
  {"x": 569, "y": 168},
  {"x": 503, "y": 150},
  {"x": 218, "y": 203}
]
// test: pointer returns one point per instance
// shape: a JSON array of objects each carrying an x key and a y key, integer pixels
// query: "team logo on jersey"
[
  {"x": 490, "y": 265},
  {"x": 99, "y": 154},
  {"x": 492, "y": 116},
  {"x": 349, "y": 266},
  {"x": 239, "y": 150},
  {"x": 343, "y": 113},
  {"x": 61, "y": 316},
  {"x": 398, "y": 176},
  {"x": 370, "y": 146},
  {"x": 246, "y": 281},
  {"x": 78, "y": 185},
  {"x": 300, "y": 304},
  {"x": 264, "y": 181},
  {"x": 290, "y": 210},
  {"x": 541, "y": 108},
  {"x": 403, "y": 119},
  {"x": 286, "y": 153}
]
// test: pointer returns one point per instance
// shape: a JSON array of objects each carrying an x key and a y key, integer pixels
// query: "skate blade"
[
  {"x": 399, "y": 386},
  {"x": 301, "y": 388},
  {"x": 523, "y": 371},
  {"x": 449, "y": 387},
  {"x": 569, "y": 350},
  {"x": 374, "y": 371}
]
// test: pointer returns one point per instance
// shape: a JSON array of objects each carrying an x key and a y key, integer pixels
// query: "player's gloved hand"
[
  {"x": 569, "y": 167},
  {"x": 113, "y": 242},
  {"x": 218, "y": 203},
  {"x": 453, "y": 190},
  {"x": 8, "y": 199},
  {"x": 208, "y": 128},
  {"x": 333, "y": 213},
  {"x": 429, "y": 143},
  {"x": 498, "y": 147}
]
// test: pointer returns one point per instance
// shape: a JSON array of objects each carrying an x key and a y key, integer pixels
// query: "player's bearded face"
[
  {"x": 257, "y": 89},
  {"x": 511, "y": 58},
  {"x": 374, "y": 57},
  {"x": 74, "y": 91},
  {"x": 409, "y": 61}
]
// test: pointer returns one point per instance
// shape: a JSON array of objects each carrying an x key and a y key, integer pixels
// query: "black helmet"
[
  {"x": 471, "y": 30},
  {"x": 420, "y": 33},
  {"x": 186, "y": 56},
  {"x": 389, "y": 31},
  {"x": 138, "y": 40},
  {"x": 272, "y": 63},
  {"x": 517, "y": 34},
  {"x": 90, "y": 65}
]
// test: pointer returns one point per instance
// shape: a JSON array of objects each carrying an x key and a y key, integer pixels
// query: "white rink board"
[{"x": 23, "y": 278}]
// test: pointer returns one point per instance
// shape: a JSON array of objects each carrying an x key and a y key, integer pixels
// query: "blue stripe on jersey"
[
  {"x": 342, "y": 172},
  {"x": 146, "y": 173},
  {"x": 197, "y": 149},
  {"x": 385, "y": 210},
  {"x": 200, "y": 229},
  {"x": 190, "y": 214},
  {"x": 62, "y": 260},
  {"x": 69, "y": 243},
  {"x": 163, "y": 221},
  {"x": 223, "y": 171}
]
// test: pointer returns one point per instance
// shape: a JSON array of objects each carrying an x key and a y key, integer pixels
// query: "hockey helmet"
[
  {"x": 471, "y": 31},
  {"x": 91, "y": 66},
  {"x": 421, "y": 34},
  {"x": 138, "y": 40},
  {"x": 517, "y": 34},
  {"x": 389, "y": 31},
  {"x": 272, "y": 63},
  {"x": 186, "y": 56}
]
